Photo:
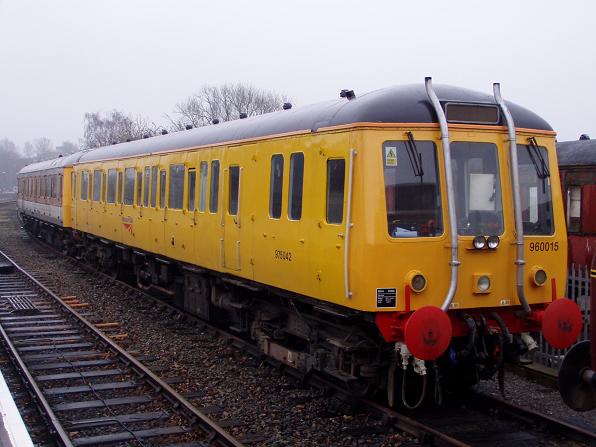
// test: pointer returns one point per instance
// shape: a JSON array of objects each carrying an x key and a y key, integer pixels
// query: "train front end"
[{"x": 468, "y": 260}]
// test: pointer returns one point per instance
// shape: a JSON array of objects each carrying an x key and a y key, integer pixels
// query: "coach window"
[
  {"x": 96, "y": 185},
  {"x": 162, "y": 188},
  {"x": 336, "y": 174},
  {"x": 112, "y": 175},
  {"x": 204, "y": 171},
  {"x": 73, "y": 185},
  {"x": 234, "y": 190},
  {"x": 296, "y": 183},
  {"x": 214, "y": 189},
  {"x": 276, "y": 185},
  {"x": 574, "y": 208},
  {"x": 104, "y": 183},
  {"x": 146, "y": 186},
  {"x": 129, "y": 186},
  {"x": 139, "y": 197},
  {"x": 176, "y": 196},
  {"x": 192, "y": 188},
  {"x": 84, "y": 185},
  {"x": 154, "y": 172},
  {"x": 120, "y": 187}
]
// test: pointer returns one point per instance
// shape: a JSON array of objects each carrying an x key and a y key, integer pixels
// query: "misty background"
[{"x": 67, "y": 60}]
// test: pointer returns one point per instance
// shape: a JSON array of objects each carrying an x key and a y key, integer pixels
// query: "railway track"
[
  {"x": 471, "y": 420},
  {"x": 89, "y": 390}
]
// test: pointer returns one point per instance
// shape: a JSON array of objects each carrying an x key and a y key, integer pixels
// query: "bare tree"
[
  {"x": 114, "y": 127},
  {"x": 12, "y": 162},
  {"x": 224, "y": 102}
]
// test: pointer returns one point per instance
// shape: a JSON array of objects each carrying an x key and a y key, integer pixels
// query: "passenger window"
[
  {"x": 129, "y": 186},
  {"x": 139, "y": 198},
  {"x": 112, "y": 186},
  {"x": 96, "y": 185},
  {"x": 296, "y": 182},
  {"x": 214, "y": 190},
  {"x": 336, "y": 173},
  {"x": 154, "y": 186},
  {"x": 105, "y": 186},
  {"x": 84, "y": 185},
  {"x": 234, "y": 189},
  {"x": 176, "y": 196},
  {"x": 119, "y": 194},
  {"x": 276, "y": 185},
  {"x": 192, "y": 183},
  {"x": 574, "y": 208},
  {"x": 146, "y": 186},
  {"x": 203, "y": 186},
  {"x": 162, "y": 188},
  {"x": 73, "y": 185}
]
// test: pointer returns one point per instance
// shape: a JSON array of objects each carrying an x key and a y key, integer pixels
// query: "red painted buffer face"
[{"x": 561, "y": 323}]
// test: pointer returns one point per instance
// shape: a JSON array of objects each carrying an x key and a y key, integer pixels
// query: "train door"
[
  {"x": 159, "y": 177},
  {"x": 128, "y": 208},
  {"x": 178, "y": 221},
  {"x": 232, "y": 209},
  {"x": 112, "y": 206}
]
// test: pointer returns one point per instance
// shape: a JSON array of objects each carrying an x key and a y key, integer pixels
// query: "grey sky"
[{"x": 62, "y": 58}]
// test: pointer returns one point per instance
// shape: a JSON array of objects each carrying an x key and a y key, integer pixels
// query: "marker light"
[
  {"x": 493, "y": 242},
  {"x": 540, "y": 276},
  {"x": 483, "y": 283},
  {"x": 418, "y": 282},
  {"x": 479, "y": 242}
]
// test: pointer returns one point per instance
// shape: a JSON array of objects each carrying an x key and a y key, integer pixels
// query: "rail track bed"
[
  {"x": 89, "y": 390},
  {"x": 265, "y": 406}
]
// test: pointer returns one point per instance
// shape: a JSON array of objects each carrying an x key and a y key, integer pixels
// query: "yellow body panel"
[{"x": 306, "y": 256}]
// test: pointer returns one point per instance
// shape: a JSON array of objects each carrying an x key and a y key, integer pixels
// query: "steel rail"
[{"x": 217, "y": 435}]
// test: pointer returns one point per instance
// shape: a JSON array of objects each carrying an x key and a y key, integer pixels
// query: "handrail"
[
  {"x": 454, "y": 263},
  {"x": 348, "y": 224},
  {"x": 519, "y": 226}
]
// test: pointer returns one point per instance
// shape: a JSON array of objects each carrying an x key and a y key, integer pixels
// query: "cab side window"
[{"x": 336, "y": 173}]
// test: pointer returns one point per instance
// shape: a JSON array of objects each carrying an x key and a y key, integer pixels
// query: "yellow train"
[{"x": 361, "y": 237}]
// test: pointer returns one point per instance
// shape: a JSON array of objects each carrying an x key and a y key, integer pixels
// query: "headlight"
[
  {"x": 493, "y": 242},
  {"x": 540, "y": 276},
  {"x": 483, "y": 283},
  {"x": 416, "y": 280},
  {"x": 479, "y": 242}
]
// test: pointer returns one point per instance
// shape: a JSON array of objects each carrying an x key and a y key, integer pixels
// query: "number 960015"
[{"x": 544, "y": 246}]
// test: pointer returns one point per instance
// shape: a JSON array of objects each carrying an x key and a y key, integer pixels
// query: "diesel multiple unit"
[{"x": 366, "y": 238}]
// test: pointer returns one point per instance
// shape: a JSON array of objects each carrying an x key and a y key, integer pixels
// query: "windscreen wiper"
[
  {"x": 540, "y": 164},
  {"x": 414, "y": 156}
]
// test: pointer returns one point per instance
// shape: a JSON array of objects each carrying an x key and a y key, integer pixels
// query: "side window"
[
  {"x": 574, "y": 208},
  {"x": 146, "y": 186},
  {"x": 120, "y": 185},
  {"x": 296, "y": 182},
  {"x": 176, "y": 195},
  {"x": 162, "y": 188},
  {"x": 96, "y": 185},
  {"x": 139, "y": 198},
  {"x": 192, "y": 188},
  {"x": 234, "y": 189},
  {"x": 84, "y": 185},
  {"x": 104, "y": 180},
  {"x": 214, "y": 187},
  {"x": 73, "y": 185},
  {"x": 112, "y": 185},
  {"x": 129, "y": 186},
  {"x": 336, "y": 173},
  {"x": 154, "y": 186},
  {"x": 203, "y": 186},
  {"x": 276, "y": 185}
]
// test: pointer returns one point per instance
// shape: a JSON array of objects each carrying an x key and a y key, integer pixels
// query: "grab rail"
[
  {"x": 519, "y": 226},
  {"x": 348, "y": 224},
  {"x": 454, "y": 263}
]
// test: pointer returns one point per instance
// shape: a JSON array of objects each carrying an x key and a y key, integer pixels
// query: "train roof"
[
  {"x": 576, "y": 153},
  {"x": 399, "y": 104},
  {"x": 60, "y": 162}
]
